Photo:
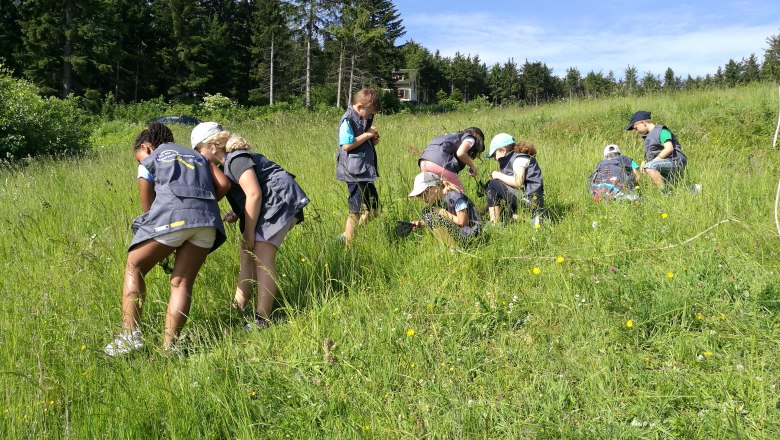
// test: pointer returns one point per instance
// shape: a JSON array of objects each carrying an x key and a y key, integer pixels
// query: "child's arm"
[
  {"x": 221, "y": 182},
  {"x": 463, "y": 155},
  {"x": 667, "y": 151},
  {"x": 146, "y": 193},
  {"x": 509, "y": 180},
  {"x": 251, "y": 187},
  {"x": 461, "y": 217},
  {"x": 359, "y": 140}
]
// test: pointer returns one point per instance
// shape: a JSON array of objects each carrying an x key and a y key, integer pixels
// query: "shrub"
[
  {"x": 33, "y": 126},
  {"x": 389, "y": 102}
]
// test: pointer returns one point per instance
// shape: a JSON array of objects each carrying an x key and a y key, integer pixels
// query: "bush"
[
  {"x": 390, "y": 103},
  {"x": 33, "y": 126}
]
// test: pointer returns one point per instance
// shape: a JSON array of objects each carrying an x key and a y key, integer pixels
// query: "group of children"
[{"x": 179, "y": 189}]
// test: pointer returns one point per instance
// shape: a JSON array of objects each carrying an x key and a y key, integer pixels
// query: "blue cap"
[
  {"x": 636, "y": 117},
  {"x": 500, "y": 140}
]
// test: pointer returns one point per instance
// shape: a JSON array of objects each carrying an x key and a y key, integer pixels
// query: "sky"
[{"x": 693, "y": 38}]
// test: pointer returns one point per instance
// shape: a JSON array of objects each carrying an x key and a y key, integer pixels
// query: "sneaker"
[
  {"x": 125, "y": 343},
  {"x": 257, "y": 324}
]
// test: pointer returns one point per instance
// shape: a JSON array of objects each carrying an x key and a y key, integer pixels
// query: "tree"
[
  {"x": 596, "y": 84},
  {"x": 572, "y": 83},
  {"x": 538, "y": 82},
  {"x": 630, "y": 82},
  {"x": 770, "y": 68},
  {"x": 732, "y": 74},
  {"x": 271, "y": 46},
  {"x": 751, "y": 71},
  {"x": 311, "y": 17},
  {"x": 650, "y": 83},
  {"x": 504, "y": 82},
  {"x": 10, "y": 34},
  {"x": 67, "y": 45}
]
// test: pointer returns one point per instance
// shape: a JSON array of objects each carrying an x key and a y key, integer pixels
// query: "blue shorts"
[
  {"x": 666, "y": 167},
  {"x": 362, "y": 193}
]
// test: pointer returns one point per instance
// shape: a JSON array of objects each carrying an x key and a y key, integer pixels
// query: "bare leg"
[
  {"x": 655, "y": 177},
  {"x": 349, "y": 228},
  {"x": 495, "y": 213},
  {"x": 140, "y": 261},
  {"x": 266, "y": 278},
  {"x": 189, "y": 259},
  {"x": 246, "y": 279}
]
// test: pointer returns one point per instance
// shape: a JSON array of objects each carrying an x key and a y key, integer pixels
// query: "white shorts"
[{"x": 202, "y": 236}]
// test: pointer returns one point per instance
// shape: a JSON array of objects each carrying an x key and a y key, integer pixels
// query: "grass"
[{"x": 501, "y": 341}]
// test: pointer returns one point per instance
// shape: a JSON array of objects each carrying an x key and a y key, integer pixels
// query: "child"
[
  {"x": 448, "y": 154},
  {"x": 616, "y": 177},
  {"x": 179, "y": 191},
  {"x": 356, "y": 161},
  {"x": 267, "y": 202},
  {"x": 456, "y": 222},
  {"x": 517, "y": 169},
  {"x": 664, "y": 158}
]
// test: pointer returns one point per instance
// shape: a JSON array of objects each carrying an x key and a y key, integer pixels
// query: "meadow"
[{"x": 612, "y": 320}]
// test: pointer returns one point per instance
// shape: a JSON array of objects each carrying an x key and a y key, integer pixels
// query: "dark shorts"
[
  {"x": 497, "y": 191},
  {"x": 362, "y": 193}
]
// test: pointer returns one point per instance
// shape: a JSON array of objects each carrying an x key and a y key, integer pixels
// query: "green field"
[{"x": 429, "y": 343}]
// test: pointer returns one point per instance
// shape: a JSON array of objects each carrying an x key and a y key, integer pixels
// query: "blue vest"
[
  {"x": 616, "y": 173},
  {"x": 281, "y": 196},
  {"x": 533, "y": 183},
  {"x": 653, "y": 146},
  {"x": 443, "y": 151},
  {"x": 360, "y": 163},
  {"x": 451, "y": 198},
  {"x": 184, "y": 195}
]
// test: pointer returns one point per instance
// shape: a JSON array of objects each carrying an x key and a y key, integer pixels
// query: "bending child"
[
  {"x": 267, "y": 202},
  {"x": 356, "y": 161},
  {"x": 179, "y": 191},
  {"x": 616, "y": 177},
  {"x": 664, "y": 159},
  {"x": 456, "y": 221},
  {"x": 448, "y": 154},
  {"x": 518, "y": 170}
]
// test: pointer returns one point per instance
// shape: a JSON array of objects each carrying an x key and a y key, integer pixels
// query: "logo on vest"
[{"x": 186, "y": 159}]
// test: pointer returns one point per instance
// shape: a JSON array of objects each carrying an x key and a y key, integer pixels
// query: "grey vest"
[
  {"x": 360, "y": 163},
  {"x": 616, "y": 171},
  {"x": 653, "y": 146},
  {"x": 451, "y": 198},
  {"x": 443, "y": 151},
  {"x": 533, "y": 174},
  {"x": 281, "y": 196},
  {"x": 184, "y": 195}
]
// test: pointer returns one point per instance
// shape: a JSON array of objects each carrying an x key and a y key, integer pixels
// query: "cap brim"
[
  {"x": 416, "y": 192},
  {"x": 489, "y": 155},
  {"x": 630, "y": 126}
]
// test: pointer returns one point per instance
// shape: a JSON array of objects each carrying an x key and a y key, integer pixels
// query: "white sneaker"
[{"x": 125, "y": 343}]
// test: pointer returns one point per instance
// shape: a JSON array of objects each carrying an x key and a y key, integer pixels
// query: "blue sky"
[{"x": 690, "y": 37}]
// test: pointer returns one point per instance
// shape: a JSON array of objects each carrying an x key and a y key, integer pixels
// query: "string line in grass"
[
  {"x": 660, "y": 248},
  {"x": 777, "y": 198}
]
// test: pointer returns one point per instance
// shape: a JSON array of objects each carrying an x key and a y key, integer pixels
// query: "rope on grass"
[
  {"x": 774, "y": 140},
  {"x": 777, "y": 197},
  {"x": 662, "y": 248}
]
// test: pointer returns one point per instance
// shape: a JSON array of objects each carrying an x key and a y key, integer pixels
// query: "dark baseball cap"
[{"x": 636, "y": 117}]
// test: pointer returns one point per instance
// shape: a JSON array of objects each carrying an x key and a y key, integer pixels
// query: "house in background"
[{"x": 406, "y": 83}]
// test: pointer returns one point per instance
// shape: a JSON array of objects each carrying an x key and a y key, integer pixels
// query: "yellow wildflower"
[
  {"x": 629, "y": 323},
  {"x": 559, "y": 260},
  {"x": 669, "y": 274},
  {"x": 410, "y": 333},
  {"x": 707, "y": 353},
  {"x": 536, "y": 271},
  {"x": 664, "y": 216}
]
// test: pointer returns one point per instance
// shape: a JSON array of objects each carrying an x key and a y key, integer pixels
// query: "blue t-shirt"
[
  {"x": 461, "y": 205},
  {"x": 346, "y": 136}
]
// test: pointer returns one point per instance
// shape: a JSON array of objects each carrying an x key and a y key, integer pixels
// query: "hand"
[
  {"x": 248, "y": 243},
  {"x": 443, "y": 212},
  {"x": 472, "y": 171},
  {"x": 417, "y": 223},
  {"x": 372, "y": 131},
  {"x": 230, "y": 217},
  {"x": 375, "y": 139},
  {"x": 496, "y": 175}
]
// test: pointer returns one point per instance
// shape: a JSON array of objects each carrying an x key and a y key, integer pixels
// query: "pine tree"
[
  {"x": 10, "y": 34},
  {"x": 770, "y": 68},
  {"x": 573, "y": 82},
  {"x": 630, "y": 82},
  {"x": 751, "y": 71}
]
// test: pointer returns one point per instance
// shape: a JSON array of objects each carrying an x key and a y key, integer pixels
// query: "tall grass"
[{"x": 614, "y": 339}]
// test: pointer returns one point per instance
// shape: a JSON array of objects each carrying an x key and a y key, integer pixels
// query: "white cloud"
[{"x": 695, "y": 45}]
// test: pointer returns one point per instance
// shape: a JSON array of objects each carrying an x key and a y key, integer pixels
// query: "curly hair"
[
  {"x": 225, "y": 141},
  {"x": 154, "y": 134},
  {"x": 525, "y": 147}
]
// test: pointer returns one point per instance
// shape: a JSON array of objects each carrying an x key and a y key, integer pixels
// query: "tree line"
[{"x": 259, "y": 52}]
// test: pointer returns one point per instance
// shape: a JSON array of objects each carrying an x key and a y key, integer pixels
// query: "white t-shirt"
[
  {"x": 520, "y": 164},
  {"x": 143, "y": 173}
]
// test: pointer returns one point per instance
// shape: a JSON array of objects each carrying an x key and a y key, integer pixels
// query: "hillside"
[{"x": 615, "y": 339}]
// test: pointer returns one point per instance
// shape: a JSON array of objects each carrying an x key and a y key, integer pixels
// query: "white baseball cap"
[
  {"x": 424, "y": 181},
  {"x": 203, "y": 131},
  {"x": 611, "y": 148}
]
